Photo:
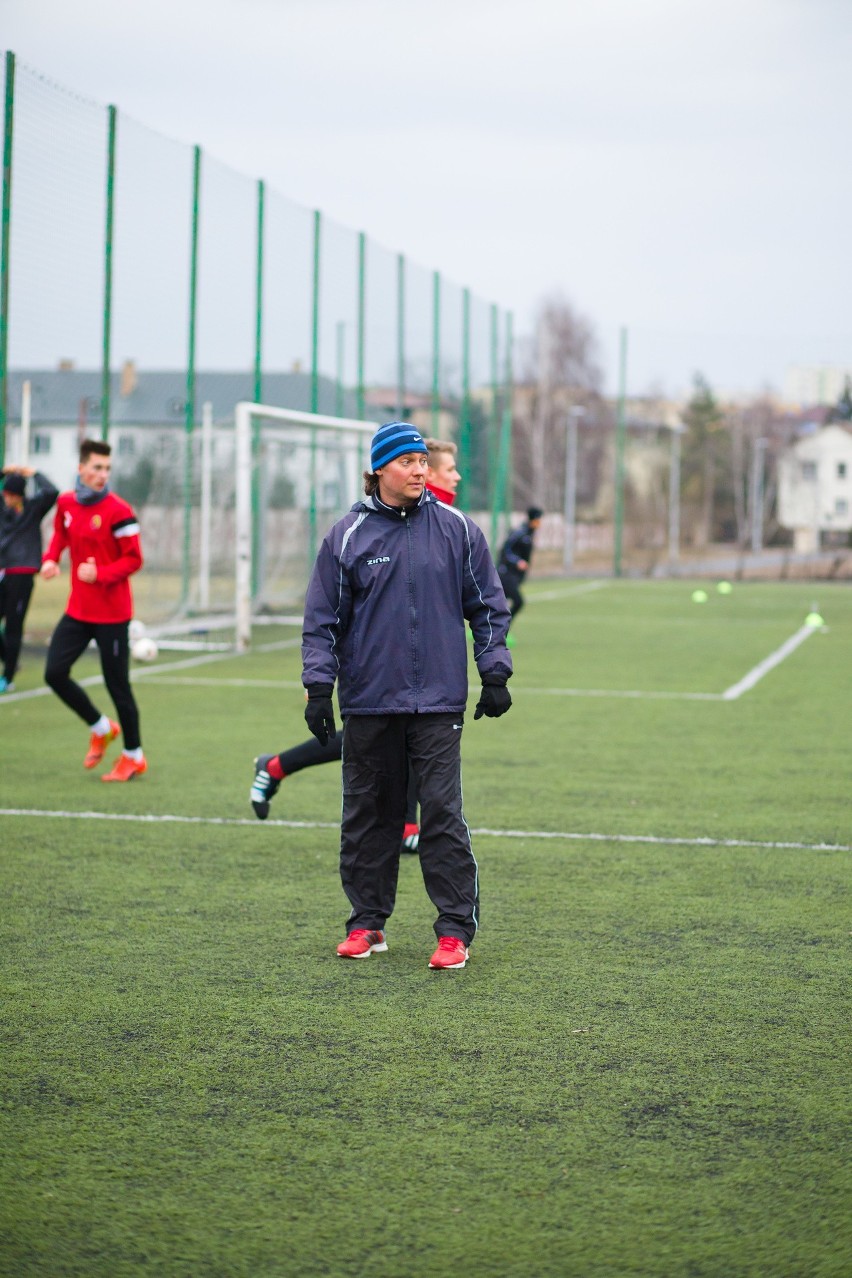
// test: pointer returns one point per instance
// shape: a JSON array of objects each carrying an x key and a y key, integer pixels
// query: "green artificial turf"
[{"x": 643, "y": 1069}]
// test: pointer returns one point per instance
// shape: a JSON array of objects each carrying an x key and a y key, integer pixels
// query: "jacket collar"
[{"x": 379, "y": 507}]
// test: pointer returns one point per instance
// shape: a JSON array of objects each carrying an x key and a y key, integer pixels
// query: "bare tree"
[{"x": 558, "y": 369}]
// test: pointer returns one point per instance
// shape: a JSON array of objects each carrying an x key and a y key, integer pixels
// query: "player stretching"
[{"x": 102, "y": 535}]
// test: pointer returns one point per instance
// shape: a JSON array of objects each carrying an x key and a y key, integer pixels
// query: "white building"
[
  {"x": 815, "y": 486},
  {"x": 808, "y": 384}
]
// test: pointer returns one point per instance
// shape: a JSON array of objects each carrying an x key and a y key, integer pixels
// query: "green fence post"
[
  {"x": 8, "y": 118},
  {"x": 315, "y": 312},
  {"x": 256, "y": 553},
  {"x": 436, "y": 350},
  {"x": 189, "y": 415},
  {"x": 494, "y": 415},
  {"x": 107, "y": 317},
  {"x": 340, "y": 369},
  {"x": 362, "y": 320},
  {"x": 501, "y": 484},
  {"x": 620, "y": 433},
  {"x": 464, "y": 424},
  {"x": 400, "y": 337}
]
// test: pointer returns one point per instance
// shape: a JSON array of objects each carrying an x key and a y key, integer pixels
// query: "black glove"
[
  {"x": 494, "y": 699},
  {"x": 319, "y": 712}
]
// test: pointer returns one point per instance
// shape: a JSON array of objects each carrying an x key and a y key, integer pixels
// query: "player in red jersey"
[{"x": 101, "y": 534}]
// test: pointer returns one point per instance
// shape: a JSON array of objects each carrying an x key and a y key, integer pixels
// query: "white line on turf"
[
  {"x": 572, "y": 835},
  {"x": 769, "y": 663},
  {"x": 566, "y": 591}
]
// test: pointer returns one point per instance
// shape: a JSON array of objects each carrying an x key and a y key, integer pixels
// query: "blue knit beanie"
[{"x": 392, "y": 440}]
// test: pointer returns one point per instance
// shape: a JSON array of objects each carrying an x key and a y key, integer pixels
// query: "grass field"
[{"x": 643, "y": 1070}]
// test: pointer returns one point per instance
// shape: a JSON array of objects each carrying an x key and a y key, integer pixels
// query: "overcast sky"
[{"x": 678, "y": 167}]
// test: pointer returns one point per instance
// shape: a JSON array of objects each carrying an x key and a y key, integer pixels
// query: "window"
[
  {"x": 126, "y": 445},
  {"x": 841, "y": 506},
  {"x": 41, "y": 444},
  {"x": 809, "y": 470},
  {"x": 841, "y": 470}
]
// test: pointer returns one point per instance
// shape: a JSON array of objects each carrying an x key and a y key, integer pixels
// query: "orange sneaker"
[
  {"x": 126, "y": 769},
  {"x": 98, "y": 743},
  {"x": 451, "y": 952},
  {"x": 362, "y": 943}
]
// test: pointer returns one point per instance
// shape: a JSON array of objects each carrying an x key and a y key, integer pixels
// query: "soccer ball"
[
  {"x": 144, "y": 649},
  {"x": 136, "y": 629}
]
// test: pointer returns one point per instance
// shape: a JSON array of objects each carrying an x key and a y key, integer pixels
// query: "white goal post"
[{"x": 310, "y": 464}]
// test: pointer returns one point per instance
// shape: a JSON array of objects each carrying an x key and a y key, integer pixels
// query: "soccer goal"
[{"x": 295, "y": 474}]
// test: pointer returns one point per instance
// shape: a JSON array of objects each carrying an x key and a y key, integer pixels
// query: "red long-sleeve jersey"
[{"x": 107, "y": 532}]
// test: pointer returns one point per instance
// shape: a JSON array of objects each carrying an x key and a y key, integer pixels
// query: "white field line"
[
  {"x": 565, "y": 591},
  {"x": 572, "y": 835},
  {"x": 769, "y": 663},
  {"x": 149, "y": 672}
]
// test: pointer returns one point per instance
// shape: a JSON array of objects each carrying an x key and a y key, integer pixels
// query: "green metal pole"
[
  {"x": 258, "y": 296},
  {"x": 258, "y": 394},
  {"x": 189, "y": 418},
  {"x": 494, "y": 415},
  {"x": 436, "y": 350},
  {"x": 107, "y": 318},
  {"x": 501, "y": 483},
  {"x": 620, "y": 434},
  {"x": 464, "y": 424},
  {"x": 340, "y": 367},
  {"x": 8, "y": 118},
  {"x": 315, "y": 311},
  {"x": 362, "y": 320},
  {"x": 400, "y": 337}
]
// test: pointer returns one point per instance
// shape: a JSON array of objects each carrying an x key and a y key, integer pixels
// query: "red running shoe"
[
  {"x": 98, "y": 743},
  {"x": 451, "y": 953},
  {"x": 362, "y": 943}
]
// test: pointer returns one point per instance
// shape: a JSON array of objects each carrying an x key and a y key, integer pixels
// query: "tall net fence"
[{"x": 142, "y": 280}]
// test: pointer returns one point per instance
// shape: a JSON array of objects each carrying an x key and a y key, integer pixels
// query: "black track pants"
[
  {"x": 68, "y": 642},
  {"x": 375, "y": 751},
  {"x": 15, "y": 591},
  {"x": 511, "y": 584}
]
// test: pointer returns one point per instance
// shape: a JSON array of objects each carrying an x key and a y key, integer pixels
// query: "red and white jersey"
[{"x": 107, "y": 532}]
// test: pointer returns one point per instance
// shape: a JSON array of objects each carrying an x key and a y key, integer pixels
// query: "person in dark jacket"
[
  {"x": 515, "y": 559},
  {"x": 395, "y": 584},
  {"x": 20, "y": 557},
  {"x": 442, "y": 479}
]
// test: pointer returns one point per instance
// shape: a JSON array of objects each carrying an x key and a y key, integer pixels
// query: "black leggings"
[
  {"x": 15, "y": 591},
  {"x": 68, "y": 642}
]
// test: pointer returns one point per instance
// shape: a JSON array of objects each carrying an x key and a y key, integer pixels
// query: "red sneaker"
[
  {"x": 451, "y": 952},
  {"x": 362, "y": 943},
  {"x": 98, "y": 743},
  {"x": 126, "y": 769}
]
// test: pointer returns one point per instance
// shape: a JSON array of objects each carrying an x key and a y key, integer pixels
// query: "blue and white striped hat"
[{"x": 392, "y": 440}]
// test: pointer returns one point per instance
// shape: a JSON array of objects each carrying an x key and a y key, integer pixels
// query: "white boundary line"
[
  {"x": 566, "y": 591},
  {"x": 572, "y": 835},
  {"x": 152, "y": 673},
  {"x": 769, "y": 663}
]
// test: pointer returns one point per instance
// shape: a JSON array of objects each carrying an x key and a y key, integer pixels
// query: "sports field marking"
[
  {"x": 575, "y": 835},
  {"x": 148, "y": 672},
  {"x": 567, "y": 591},
  {"x": 153, "y": 673},
  {"x": 769, "y": 663}
]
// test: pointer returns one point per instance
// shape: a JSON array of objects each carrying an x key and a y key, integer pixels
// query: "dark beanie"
[
  {"x": 534, "y": 513},
  {"x": 15, "y": 483},
  {"x": 392, "y": 440}
]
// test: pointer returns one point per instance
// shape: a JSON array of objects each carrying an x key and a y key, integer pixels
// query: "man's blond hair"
[{"x": 437, "y": 446}]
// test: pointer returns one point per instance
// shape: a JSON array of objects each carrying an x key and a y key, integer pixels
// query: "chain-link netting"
[{"x": 145, "y": 279}]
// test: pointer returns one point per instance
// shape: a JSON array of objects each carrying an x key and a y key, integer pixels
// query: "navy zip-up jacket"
[
  {"x": 20, "y": 534},
  {"x": 386, "y": 608}
]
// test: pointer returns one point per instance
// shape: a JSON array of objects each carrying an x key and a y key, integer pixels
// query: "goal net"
[{"x": 232, "y": 515}]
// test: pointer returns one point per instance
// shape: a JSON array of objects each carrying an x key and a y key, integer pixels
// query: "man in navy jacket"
[
  {"x": 20, "y": 557},
  {"x": 395, "y": 584}
]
